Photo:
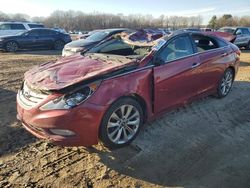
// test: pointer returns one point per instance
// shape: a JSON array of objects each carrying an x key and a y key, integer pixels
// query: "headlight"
[
  {"x": 76, "y": 49},
  {"x": 72, "y": 99}
]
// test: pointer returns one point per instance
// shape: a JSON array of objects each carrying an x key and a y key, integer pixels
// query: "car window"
[
  {"x": 227, "y": 30},
  {"x": 46, "y": 32},
  {"x": 98, "y": 36},
  {"x": 245, "y": 31},
  {"x": 221, "y": 43},
  {"x": 119, "y": 47},
  {"x": 35, "y": 26},
  {"x": 204, "y": 43},
  {"x": 17, "y": 27},
  {"x": 33, "y": 33},
  {"x": 177, "y": 48},
  {"x": 5, "y": 27}
]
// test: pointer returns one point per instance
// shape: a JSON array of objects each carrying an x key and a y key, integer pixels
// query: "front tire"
[
  {"x": 225, "y": 83},
  {"x": 121, "y": 123},
  {"x": 59, "y": 45},
  {"x": 11, "y": 46},
  {"x": 248, "y": 46}
]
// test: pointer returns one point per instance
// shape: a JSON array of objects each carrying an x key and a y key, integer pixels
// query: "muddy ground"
[{"x": 205, "y": 144}]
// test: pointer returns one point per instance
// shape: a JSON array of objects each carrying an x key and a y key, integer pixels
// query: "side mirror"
[{"x": 238, "y": 33}]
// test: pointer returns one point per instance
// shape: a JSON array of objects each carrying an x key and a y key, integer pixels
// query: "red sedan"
[{"x": 108, "y": 93}]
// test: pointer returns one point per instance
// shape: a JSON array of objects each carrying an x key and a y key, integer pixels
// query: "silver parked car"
[
  {"x": 242, "y": 35},
  {"x": 13, "y": 28}
]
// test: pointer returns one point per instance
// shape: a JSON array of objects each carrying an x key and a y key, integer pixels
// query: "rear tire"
[
  {"x": 59, "y": 45},
  {"x": 121, "y": 123},
  {"x": 225, "y": 83},
  {"x": 11, "y": 46}
]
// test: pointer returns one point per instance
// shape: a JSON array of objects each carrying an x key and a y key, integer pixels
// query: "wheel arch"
[
  {"x": 135, "y": 97},
  {"x": 142, "y": 103},
  {"x": 233, "y": 69},
  {"x": 11, "y": 41}
]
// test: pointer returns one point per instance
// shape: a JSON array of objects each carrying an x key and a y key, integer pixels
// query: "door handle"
[
  {"x": 195, "y": 65},
  {"x": 224, "y": 54}
]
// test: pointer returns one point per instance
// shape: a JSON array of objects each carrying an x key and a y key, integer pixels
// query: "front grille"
[{"x": 30, "y": 98}]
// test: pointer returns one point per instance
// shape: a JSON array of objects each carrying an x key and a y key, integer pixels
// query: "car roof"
[
  {"x": 45, "y": 29},
  {"x": 183, "y": 32}
]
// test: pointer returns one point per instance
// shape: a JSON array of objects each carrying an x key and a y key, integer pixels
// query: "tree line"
[
  {"x": 228, "y": 20},
  {"x": 77, "y": 20}
]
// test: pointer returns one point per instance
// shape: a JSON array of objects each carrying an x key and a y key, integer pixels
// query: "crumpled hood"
[{"x": 73, "y": 69}]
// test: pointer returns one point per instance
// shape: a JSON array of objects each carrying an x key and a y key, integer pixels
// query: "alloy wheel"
[
  {"x": 123, "y": 124},
  {"x": 11, "y": 46},
  {"x": 226, "y": 83}
]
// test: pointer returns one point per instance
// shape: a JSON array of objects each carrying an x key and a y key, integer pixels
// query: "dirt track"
[{"x": 205, "y": 144}]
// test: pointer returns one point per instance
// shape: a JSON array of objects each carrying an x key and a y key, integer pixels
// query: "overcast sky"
[{"x": 155, "y": 7}]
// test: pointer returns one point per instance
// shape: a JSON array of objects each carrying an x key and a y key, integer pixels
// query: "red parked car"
[{"x": 108, "y": 93}]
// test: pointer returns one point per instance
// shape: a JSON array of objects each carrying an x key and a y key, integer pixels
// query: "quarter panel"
[{"x": 213, "y": 64}]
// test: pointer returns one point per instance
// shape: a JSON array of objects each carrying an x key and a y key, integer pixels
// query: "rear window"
[
  {"x": 98, "y": 36},
  {"x": 221, "y": 43},
  {"x": 35, "y": 26},
  {"x": 17, "y": 27}
]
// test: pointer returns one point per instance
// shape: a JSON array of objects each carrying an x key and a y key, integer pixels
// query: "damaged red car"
[{"x": 109, "y": 92}]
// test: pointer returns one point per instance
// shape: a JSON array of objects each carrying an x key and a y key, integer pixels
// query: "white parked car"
[{"x": 12, "y": 28}]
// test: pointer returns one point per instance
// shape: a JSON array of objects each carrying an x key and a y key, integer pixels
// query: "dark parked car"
[
  {"x": 35, "y": 38},
  {"x": 85, "y": 44},
  {"x": 242, "y": 35},
  {"x": 111, "y": 91}
]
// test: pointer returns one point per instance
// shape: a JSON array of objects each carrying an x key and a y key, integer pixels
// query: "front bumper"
[{"x": 83, "y": 120}]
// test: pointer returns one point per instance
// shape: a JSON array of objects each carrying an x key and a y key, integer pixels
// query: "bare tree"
[{"x": 77, "y": 20}]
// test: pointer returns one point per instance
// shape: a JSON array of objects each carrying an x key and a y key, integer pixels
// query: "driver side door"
[
  {"x": 29, "y": 39},
  {"x": 176, "y": 79}
]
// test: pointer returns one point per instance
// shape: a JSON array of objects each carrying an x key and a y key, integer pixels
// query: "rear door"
[
  {"x": 177, "y": 78},
  {"x": 213, "y": 54}
]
